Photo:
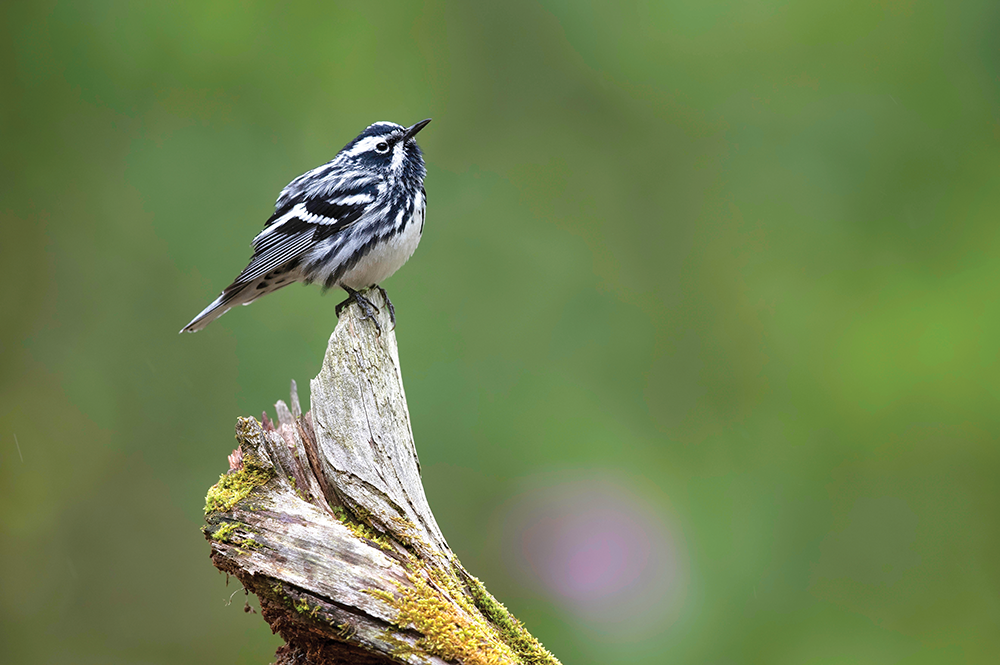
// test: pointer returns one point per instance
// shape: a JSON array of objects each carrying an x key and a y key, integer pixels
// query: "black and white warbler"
[{"x": 349, "y": 223}]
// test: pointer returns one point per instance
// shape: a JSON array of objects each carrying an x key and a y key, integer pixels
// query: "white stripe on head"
[
  {"x": 385, "y": 130},
  {"x": 366, "y": 144},
  {"x": 398, "y": 152}
]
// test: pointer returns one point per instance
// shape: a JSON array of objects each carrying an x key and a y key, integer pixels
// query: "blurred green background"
[{"x": 700, "y": 343}]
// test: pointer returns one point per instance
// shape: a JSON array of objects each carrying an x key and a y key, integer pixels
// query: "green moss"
[
  {"x": 362, "y": 531},
  {"x": 478, "y": 631},
  {"x": 235, "y": 486},
  {"x": 448, "y": 631},
  {"x": 225, "y": 532},
  {"x": 298, "y": 492},
  {"x": 345, "y": 631},
  {"x": 295, "y": 600},
  {"x": 527, "y": 648}
]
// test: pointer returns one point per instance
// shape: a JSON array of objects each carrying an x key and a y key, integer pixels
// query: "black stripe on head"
[
  {"x": 380, "y": 129},
  {"x": 375, "y": 129}
]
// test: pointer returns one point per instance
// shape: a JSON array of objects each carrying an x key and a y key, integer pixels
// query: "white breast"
[{"x": 388, "y": 256}]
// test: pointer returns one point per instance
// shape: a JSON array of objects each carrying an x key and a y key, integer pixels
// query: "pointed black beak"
[{"x": 412, "y": 131}]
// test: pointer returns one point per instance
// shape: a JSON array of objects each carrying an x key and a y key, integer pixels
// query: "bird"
[{"x": 350, "y": 223}]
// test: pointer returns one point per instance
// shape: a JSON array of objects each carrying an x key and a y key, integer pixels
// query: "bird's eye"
[{"x": 382, "y": 147}]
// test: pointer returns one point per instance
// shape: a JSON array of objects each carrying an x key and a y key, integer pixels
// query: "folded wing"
[{"x": 295, "y": 227}]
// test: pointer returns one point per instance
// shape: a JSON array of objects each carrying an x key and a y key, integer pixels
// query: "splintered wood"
[{"x": 323, "y": 516}]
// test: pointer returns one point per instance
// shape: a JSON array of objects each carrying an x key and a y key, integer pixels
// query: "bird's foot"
[
  {"x": 368, "y": 310},
  {"x": 392, "y": 310}
]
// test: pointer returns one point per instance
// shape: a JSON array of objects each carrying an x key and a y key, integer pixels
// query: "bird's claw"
[
  {"x": 368, "y": 309},
  {"x": 392, "y": 310}
]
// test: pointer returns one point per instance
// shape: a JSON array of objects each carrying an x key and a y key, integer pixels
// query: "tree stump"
[{"x": 323, "y": 517}]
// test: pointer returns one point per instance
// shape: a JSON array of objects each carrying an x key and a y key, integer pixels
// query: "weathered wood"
[{"x": 323, "y": 516}]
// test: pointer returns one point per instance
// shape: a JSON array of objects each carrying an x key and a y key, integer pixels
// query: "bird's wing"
[{"x": 301, "y": 222}]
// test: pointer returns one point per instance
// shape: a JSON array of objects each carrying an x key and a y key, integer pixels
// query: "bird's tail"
[
  {"x": 241, "y": 293},
  {"x": 235, "y": 294}
]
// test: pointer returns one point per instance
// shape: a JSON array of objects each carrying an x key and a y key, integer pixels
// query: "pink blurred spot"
[
  {"x": 599, "y": 549},
  {"x": 590, "y": 556}
]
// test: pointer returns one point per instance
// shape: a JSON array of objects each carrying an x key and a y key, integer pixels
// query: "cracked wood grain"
[{"x": 323, "y": 516}]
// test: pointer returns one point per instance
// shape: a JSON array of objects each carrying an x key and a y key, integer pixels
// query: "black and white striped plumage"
[{"x": 350, "y": 223}]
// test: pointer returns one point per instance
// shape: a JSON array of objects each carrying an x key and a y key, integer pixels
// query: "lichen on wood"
[{"x": 323, "y": 516}]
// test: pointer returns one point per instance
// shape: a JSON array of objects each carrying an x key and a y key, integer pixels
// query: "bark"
[{"x": 323, "y": 517}]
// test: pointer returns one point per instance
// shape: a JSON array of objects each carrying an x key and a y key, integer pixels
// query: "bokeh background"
[{"x": 701, "y": 342}]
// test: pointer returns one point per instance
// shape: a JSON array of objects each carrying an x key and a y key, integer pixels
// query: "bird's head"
[{"x": 388, "y": 148}]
